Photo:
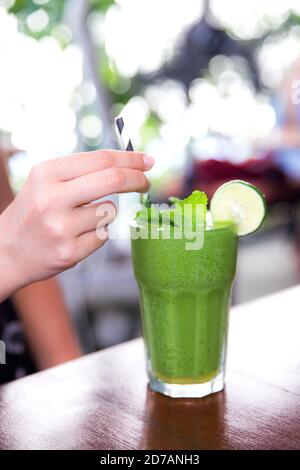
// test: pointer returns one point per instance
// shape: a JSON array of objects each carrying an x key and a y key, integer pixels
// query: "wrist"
[{"x": 11, "y": 278}]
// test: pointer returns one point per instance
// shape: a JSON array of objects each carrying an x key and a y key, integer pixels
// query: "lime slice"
[{"x": 240, "y": 202}]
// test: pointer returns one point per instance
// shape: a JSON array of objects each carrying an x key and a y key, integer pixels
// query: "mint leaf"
[
  {"x": 192, "y": 202},
  {"x": 197, "y": 197},
  {"x": 177, "y": 212}
]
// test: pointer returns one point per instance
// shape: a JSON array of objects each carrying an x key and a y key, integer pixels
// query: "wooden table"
[{"x": 102, "y": 401}]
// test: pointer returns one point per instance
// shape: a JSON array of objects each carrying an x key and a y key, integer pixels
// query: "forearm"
[
  {"x": 47, "y": 324},
  {"x": 8, "y": 279},
  {"x": 10, "y": 275},
  {"x": 8, "y": 284}
]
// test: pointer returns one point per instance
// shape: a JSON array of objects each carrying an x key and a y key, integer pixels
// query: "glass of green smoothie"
[{"x": 185, "y": 296}]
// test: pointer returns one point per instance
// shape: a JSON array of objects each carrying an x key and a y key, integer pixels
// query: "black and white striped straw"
[
  {"x": 124, "y": 137},
  {"x": 127, "y": 145}
]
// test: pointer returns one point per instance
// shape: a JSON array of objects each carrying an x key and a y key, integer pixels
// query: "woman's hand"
[{"x": 51, "y": 224}]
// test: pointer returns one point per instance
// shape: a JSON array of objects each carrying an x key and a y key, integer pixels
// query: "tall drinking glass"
[{"x": 185, "y": 300}]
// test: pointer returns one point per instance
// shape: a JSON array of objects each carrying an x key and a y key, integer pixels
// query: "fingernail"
[{"x": 148, "y": 161}]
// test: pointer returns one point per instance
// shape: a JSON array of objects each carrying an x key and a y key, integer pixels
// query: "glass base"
[{"x": 187, "y": 390}]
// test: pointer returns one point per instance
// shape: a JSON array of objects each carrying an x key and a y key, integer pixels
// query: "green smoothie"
[{"x": 185, "y": 299}]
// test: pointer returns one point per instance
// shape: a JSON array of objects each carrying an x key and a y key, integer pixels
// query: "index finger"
[{"x": 81, "y": 164}]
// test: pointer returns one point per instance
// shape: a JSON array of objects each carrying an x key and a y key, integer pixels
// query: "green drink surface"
[{"x": 185, "y": 299}]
